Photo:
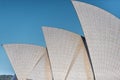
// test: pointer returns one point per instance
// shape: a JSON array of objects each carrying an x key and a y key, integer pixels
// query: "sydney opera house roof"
[
  {"x": 101, "y": 31},
  {"x": 24, "y": 58},
  {"x": 67, "y": 56},
  {"x": 67, "y": 46}
]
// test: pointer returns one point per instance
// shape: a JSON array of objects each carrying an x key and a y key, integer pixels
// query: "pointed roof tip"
[
  {"x": 78, "y": 1},
  {"x": 73, "y": 1},
  {"x": 86, "y": 5},
  {"x": 47, "y": 27},
  {"x": 44, "y": 28}
]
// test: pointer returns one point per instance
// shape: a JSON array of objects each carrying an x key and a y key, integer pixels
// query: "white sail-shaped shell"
[
  {"x": 41, "y": 70},
  {"x": 66, "y": 53},
  {"x": 102, "y": 33},
  {"x": 81, "y": 69},
  {"x": 23, "y": 58}
]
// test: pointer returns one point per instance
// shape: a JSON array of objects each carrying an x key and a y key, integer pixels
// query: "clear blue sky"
[{"x": 21, "y": 21}]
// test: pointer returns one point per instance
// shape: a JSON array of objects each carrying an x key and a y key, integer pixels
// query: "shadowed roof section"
[
  {"x": 102, "y": 33},
  {"x": 68, "y": 56},
  {"x": 23, "y": 58}
]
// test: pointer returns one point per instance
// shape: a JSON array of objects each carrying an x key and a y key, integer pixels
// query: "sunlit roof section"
[
  {"x": 102, "y": 33},
  {"x": 23, "y": 58},
  {"x": 68, "y": 57}
]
